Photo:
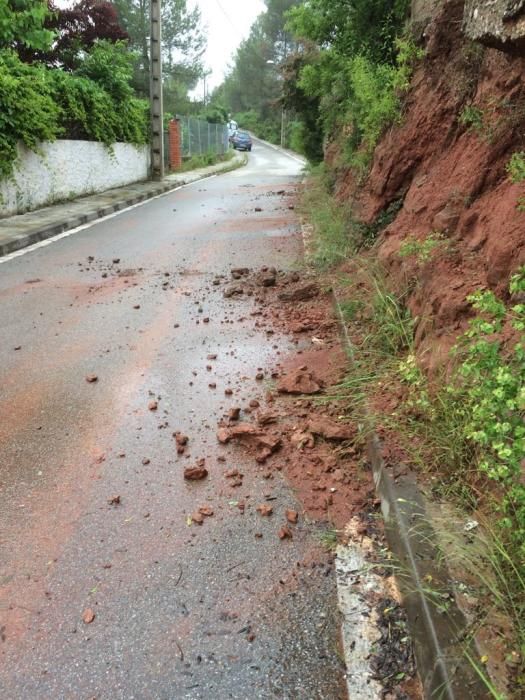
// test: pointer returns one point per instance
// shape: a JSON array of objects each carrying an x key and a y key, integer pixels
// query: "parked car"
[{"x": 242, "y": 141}]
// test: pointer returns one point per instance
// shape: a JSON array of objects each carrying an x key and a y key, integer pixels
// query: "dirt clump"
[
  {"x": 197, "y": 472},
  {"x": 259, "y": 441},
  {"x": 299, "y": 381}
]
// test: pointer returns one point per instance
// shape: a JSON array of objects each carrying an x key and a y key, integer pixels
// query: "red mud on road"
[{"x": 317, "y": 451}]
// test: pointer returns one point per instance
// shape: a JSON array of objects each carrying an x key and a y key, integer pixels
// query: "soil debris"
[
  {"x": 88, "y": 616},
  {"x": 330, "y": 429},
  {"x": 299, "y": 381},
  {"x": 197, "y": 472},
  {"x": 292, "y": 516},
  {"x": 285, "y": 533},
  {"x": 302, "y": 293}
]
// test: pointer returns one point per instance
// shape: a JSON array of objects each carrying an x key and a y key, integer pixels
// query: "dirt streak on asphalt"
[{"x": 96, "y": 515}]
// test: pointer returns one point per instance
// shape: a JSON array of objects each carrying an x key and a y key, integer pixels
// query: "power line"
[{"x": 221, "y": 8}]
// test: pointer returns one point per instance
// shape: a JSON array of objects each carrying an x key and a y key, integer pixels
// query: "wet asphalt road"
[{"x": 180, "y": 611}]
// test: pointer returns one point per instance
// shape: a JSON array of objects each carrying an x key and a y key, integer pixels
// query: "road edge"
[
  {"x": 21, "y": 241},
  {"x": 441, "y": 642}
]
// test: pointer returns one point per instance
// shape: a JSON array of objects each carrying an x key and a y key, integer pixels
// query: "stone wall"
[
  {"x": 499, "y": 24},
  {"x": 67, "y": 169}
]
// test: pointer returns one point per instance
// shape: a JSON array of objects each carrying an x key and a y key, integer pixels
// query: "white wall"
[{"x": 68, "y": 169}]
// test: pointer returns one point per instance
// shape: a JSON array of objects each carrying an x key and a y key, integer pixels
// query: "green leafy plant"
[
  {"x": 28, "y": 111},
  {"x": 516, "y": 167},
  {"x": 473, "y": 118},
  {"x": 423, "y": 249},
  {"x": 41, "y": 104}
]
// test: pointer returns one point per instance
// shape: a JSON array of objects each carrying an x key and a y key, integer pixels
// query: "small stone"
[
  {"x": 88, "y": 616},
  {"x": 153, "y": 405},
  {"x": 91, "y": 378},
  {"x": 196, "y": 473},
  {"x": 292, "y": 516},
  {"x": 234, "y": 413},
  {"x": 285, "y": 533},
  {"x": 264, "y": 509}
]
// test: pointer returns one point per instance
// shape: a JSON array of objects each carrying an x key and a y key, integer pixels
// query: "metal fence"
[{"x": 200, "y": 137}]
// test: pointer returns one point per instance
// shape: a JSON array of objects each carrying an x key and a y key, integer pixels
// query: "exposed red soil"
[{"x": 451, "y": 180}]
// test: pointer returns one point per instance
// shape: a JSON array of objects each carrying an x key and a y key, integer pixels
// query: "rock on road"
[{"x": 109, "y": 337}]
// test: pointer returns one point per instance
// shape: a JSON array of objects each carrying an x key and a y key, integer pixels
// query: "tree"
[
  {"x": 365, "y": 27},
  {"x": 183, "y": 41},
  {"x": 253, "y": 89},
  {"x": 76, "y": 30},
  {"x": 22, "y": 25}
]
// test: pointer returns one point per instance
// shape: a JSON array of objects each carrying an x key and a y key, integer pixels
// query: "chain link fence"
[{"x": 199, "y": 137}]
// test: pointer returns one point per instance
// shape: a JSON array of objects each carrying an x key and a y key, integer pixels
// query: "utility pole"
[{"x": 157, "y": 112}]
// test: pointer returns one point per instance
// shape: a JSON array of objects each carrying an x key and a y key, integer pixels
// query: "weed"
[
  {"x": 351, "y": 308},
  {"x": 332, "y": 240},
  {"x": 367, "y": 234},
  {"x": 328, "y": 538},
  {"x": 423, "y": 249},
  {"x": 204, "y": 160},
  {"x": 466, "y": 427},
  {"x": 473, "y": 118},
  {"x": 516, "y": 167}
]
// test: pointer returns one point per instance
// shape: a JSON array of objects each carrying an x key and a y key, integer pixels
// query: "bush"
[
  {"x": 41, "y": 104},
  {"x": 28, "y": 111},
  {"x": 516, "y": 167}
]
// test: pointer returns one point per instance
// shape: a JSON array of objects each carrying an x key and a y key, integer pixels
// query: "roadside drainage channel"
[
  {"x": 23, "y": 240},
  {"x": 440, "y": 633}
]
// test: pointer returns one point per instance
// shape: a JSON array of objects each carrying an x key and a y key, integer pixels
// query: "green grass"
[
  {"x": 329, "y": 539},
  {"x": 204, "y": 160},
  {"x": 331, "y": 243},
  {"x": 439, "y": 425}
]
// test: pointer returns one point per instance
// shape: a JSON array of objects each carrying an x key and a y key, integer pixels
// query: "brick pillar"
[{"x": 175, "y": 152}]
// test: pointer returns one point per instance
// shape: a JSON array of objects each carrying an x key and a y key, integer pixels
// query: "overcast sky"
[{"x": 227, "y": 23}]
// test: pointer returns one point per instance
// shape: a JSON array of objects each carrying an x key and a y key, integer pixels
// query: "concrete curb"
[
  {"x": 441, "y": 636},
  {"x": 23, "y": 240}
]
